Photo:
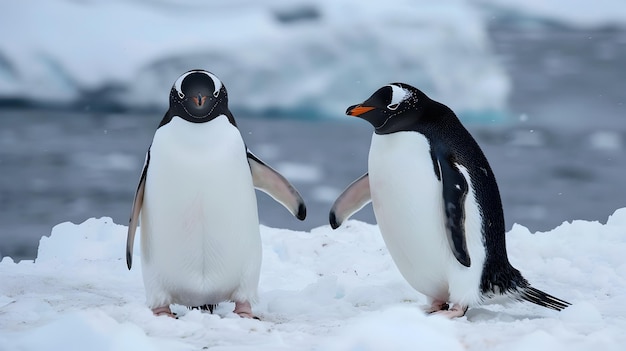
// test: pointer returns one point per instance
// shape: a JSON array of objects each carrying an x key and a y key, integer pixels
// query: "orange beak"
[{"x": 358, "y": 110}]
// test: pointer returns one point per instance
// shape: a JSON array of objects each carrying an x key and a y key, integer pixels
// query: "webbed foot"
[
  {"x": 163, "y": 311},
  {"x": 244, "y": 310},
  {"x": 456, "y": 311}
]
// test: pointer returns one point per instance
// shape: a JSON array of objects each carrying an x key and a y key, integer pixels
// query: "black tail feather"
[{"x": 541, "y": 298}]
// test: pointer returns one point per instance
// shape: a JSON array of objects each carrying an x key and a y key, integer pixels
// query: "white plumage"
[
  {"x": 446, "y": 238},
  {"x": 408, "y": 204},
  {"x": 200, "y": 236}
]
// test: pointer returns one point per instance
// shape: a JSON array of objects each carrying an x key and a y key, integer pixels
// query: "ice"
[
  {"x": 325, "y": 194},
  {"x": 295, "y": 59},
  {"x": 319, "y": 290},
  {"x": 574, "y": 13},
  {"x": 606, "y": 140},
  {"x": 300, "y": 172}
]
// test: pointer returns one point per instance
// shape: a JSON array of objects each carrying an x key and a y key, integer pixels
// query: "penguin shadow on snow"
[{"x": 481, "y": 314}]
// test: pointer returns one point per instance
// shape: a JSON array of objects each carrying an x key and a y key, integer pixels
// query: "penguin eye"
[
  {"x": 393, "y": 106},
  {"x": 181, "y": 95},
  {"x": 216, "y": 93}
]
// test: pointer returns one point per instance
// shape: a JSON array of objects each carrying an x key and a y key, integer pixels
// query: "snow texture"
[
  {"x": 294, "y": 58},
  {"x": 319, "y": 290}
]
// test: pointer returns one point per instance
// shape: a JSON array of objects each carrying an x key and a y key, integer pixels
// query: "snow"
[
  {"x": 319, "y": 290},
  {"x": 294, "y": 58}
]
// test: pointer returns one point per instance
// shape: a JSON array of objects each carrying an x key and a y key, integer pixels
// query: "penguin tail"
[{"x": 541, "y": 298}]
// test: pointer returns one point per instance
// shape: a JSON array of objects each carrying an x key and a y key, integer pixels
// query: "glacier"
[
  {"x": 580, "y": 14},
  {"x": 277, "y": 58}
]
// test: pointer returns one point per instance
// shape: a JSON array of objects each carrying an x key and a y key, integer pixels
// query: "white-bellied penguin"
[
  {"x": 436, "y": 202},
  {"x": 200, "y": 240}
]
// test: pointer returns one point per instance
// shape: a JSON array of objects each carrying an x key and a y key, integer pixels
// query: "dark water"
[{"x": 561, "y": 158}]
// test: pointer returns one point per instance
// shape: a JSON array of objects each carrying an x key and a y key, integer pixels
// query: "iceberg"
[
  {"x": 277, "y": 58},
  {"x": 573, "y": 13}
]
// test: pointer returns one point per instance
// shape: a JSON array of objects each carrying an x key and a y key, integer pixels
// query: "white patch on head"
[
  {"x": 216, "y": 82},
  {"x": 398, "y": 94}
]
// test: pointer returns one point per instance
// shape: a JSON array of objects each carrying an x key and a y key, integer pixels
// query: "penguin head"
[
  {"x": 198, "y": 96},
  {"x": 394, "y": 107}
]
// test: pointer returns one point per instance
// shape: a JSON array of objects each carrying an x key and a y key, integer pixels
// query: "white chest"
[
  {"x": 199, "y": 219},
  {"x": 408, "y": 203},
  {"x": 199, "y": 180}
]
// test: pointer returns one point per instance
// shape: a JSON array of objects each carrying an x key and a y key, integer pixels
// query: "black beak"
[{"x": 199, "y": 100}]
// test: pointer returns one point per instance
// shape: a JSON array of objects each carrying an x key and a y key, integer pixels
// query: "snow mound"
[
  {"x": 319, "y": 290},
  {"x": 397, "y": 328},
  {"x": 276, "y": 58},
  {"x": 90, "y": 330}
]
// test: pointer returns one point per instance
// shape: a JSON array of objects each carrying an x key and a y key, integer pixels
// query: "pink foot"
[
  {"x": 163, "y": 311},
  {"x": 437, "y": 306},
  {"x": 244, "y": 310},
  {"x": 455, "y": 312}
]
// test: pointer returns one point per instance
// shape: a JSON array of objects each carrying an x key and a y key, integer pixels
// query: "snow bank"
[
  {"x": 319, "y": 290},
  {"x": 574, "y": 13},
  {"x": 294, "y": 58}
]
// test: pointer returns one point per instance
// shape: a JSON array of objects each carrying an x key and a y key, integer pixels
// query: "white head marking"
[
  {"x": 216, "y": 82},
  {"x": 398, "y": 94}
]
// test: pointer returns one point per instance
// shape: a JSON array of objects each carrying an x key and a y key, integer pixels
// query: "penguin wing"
[
  {"x": 454, "y": 192},
  {"x": 275, "y": 185},
  {"x": 134, "y": 214},
  {"x": 354, "y": 198}
]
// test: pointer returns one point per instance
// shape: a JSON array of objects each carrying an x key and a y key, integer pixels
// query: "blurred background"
[{"x": 84, "y": 84}]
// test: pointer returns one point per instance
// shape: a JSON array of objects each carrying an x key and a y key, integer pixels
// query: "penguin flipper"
[
  {"x": 134, "y": 214},
  {"x": 266, "y": 179},
  {"x": 354, "y": 198},
  {"x": 455, "y": 188}
]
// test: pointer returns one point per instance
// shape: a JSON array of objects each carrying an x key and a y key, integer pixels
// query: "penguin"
[
  {"x": 200, "y": 238},
  {"x": 437, "y": 204}
]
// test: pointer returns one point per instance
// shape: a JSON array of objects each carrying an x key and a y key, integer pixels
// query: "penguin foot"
[
  {"x": 163, "y": 311},
  {"x": 437, "y": 306},
  {"x": 244, "y": 310},
  {"x": 456, "y": 311}
]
